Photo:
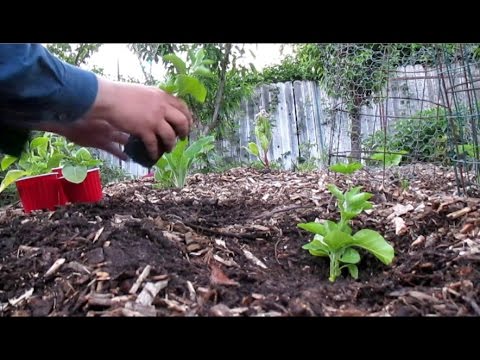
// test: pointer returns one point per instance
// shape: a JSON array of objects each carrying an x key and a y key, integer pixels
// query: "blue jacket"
[{"x": 37, "y": 86}]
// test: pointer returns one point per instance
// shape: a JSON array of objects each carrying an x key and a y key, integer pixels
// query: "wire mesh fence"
[{"x": 404, "y": 104}]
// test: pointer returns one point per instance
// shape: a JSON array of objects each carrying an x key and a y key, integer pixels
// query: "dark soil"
[{"x": 228, "y": 245}]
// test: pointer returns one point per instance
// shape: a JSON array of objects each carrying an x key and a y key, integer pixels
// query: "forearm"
[{"x": 36, "y": 87}]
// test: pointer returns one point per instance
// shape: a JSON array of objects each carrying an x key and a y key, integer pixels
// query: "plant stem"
[{"x": 333, "y": 266}]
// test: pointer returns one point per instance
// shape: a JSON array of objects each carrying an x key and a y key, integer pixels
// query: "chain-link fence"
[{"x": 393, "y": 104}]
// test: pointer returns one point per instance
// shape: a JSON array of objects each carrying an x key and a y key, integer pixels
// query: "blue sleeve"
[{"x": 37, "y": 86}]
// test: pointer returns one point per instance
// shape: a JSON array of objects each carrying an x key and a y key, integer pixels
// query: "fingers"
[
  {"x": 181, "y": 106},
  {"x": 114, "y": 149},
  {"x": 151, "y": 144},
  {"x": 178, "y": 122},
  {"x": 119, "y": 137}
]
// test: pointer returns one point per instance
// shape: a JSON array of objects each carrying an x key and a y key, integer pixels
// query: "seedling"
[
  {"x": 172, "y": 168},
  {"x": 349, "y": 168},
  {"x": 388, "y": 159},
  {"x": 263, "y": 132},
  {"x": 75, "y": 167},
  {"x": 336, "y": 241}
]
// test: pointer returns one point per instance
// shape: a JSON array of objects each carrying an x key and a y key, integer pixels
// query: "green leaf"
[
  {"x": 353, "y": 270},
  {"x": 350, "y": 256},
  {"x": 313, "y": 227},
  {"x": 253, "y": 149},
  {"x": 7, "y": 161},
  {"x": 336, "y": 240},
  {"x": 375, "y": 243},
  {"x": 316, "y": 248},
  {"x": 346, "y": 168},
  {"x": 54, "y": 160},
  {"x": 357, "y": 200},
  {"x": 188, "y": 85},
  {"x": 169, "y": 88},
  {"x": 264, "y": 141},
  {"x": 335, "y": 191},
  {"x": 199, "y": 56},
  {"x": 75, "y": 174},
  {"x": 41, "y": 141},
  {"x": 83, "y": 154},
  {"x": 177, "y": 62},
  {"x": 199, "y": 146},
  {"x": 11, "y": 177},
  {"x": 202, "y": 71}
]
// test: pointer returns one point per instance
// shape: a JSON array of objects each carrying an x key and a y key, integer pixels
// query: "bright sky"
[{"x": 110, "y": 54}]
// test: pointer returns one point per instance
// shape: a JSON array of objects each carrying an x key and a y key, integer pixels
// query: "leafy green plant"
[
  {"x": 423, "y": 136},
  {"x": 172, "y": 168},
  {"x": 45, "y": 152},
  {"x": 263, "y": 133},
  {"x": 349, "y": 168},
  {"x": 388, "y": 158},
  {"x": 37, "y": 159},
  {"x": 75, "y": 166},
  {"x": 335, "y": 240}
]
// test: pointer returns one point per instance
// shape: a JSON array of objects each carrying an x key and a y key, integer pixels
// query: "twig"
[
  {"x": 275, "y": 249},
  {"x": 140, "y": 279},
  {"x": 54, "y": 268},
  {"x": 221, "y": 233}
]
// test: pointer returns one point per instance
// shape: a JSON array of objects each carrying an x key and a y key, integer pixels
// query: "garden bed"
[{"x": 228, "y": 245}]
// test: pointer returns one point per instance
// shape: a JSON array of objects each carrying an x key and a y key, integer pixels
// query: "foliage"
[
  {"x": 422, "y": 136},
  {"x": 43, "y": 153},
  {"x": 235, "y": 89},
  {"x": 172, "y": 168},
  {"x": 75, "y": 54},
  {"x": 76, "y": 165},
  {"x": 263, "y": 133},
  {"x": 349, "y": 168},
  {"x": 388, "y": 158},
  {"x": 38, "y": 158},
  {"x": 336, "y": 241}
]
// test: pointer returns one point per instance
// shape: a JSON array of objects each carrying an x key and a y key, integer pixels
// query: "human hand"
[
  {"x": 154, "y": 116},
  {"x": 91, "y": 132}
]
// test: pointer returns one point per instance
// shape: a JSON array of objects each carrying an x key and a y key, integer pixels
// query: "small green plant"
[
  {"x": 75, "y": 166},
  {"x": 263, "y": 133},
  {"x": 172, "y": 168},
  {"x": 404, "y": 184},
  {"x": 45, "y": 152},
  {"x": 349, "y": 168},
  {"x": 38, "y": 158},
  {"x": 388, "y": 159},
  {"x": 335, "y": 240}
]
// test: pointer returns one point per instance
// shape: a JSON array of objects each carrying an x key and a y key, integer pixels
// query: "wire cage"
[{"x": 396, "y": 104}]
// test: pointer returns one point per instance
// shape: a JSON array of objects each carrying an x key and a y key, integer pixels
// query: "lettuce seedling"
[
  {"x": 263, "y": 132},
  {"x": 172, "y": 168},
  {"x": 335, "y": 240}
]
